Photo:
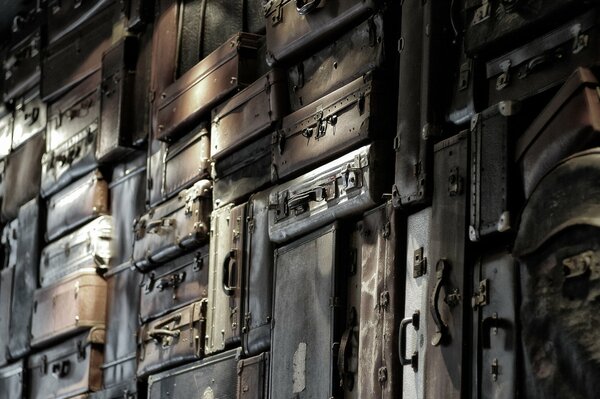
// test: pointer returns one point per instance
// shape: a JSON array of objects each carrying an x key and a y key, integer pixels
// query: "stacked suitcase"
[{"x": 300, "y": 199}]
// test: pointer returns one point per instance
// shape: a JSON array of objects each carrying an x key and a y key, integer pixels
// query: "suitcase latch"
[
  {"x": 455, "y": 183},
  {"x": 419, "y": 263},
  {"x": 482, "y": 13},
  {"x": 580, "y": 41},
  {"x": 504, "y": 79},
  {"x": 481, "y": 296}
]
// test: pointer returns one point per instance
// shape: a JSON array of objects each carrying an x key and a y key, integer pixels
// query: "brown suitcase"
[
  {"x": 76, "y": 303},
  {"x": 248, "y": 114},
  {"x": 331, "y": 126},
  {"x": 230, "y": 67},
  {"x": 173, "y": 227},
  {"x": 171, "y": 340},
  {"x": 295, "y": 28},
  {"x": 253, "y": 377},
  {"x": 30, "y": 117},
  {"x": 12, "y": 380},
  {"x": 71, "y": 135},
  {"x": 175, "y": 284},
  {"x": 76, "y": 204},
  {"x": 68, "y": 369}
]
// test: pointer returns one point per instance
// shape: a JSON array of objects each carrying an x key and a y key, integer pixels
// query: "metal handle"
[
  {"x": 33, "y": 115},
  {"x": 488, "y": 325},
  {"x": 305, "y": 7},
  {"x": 154, "y": 226},
  {"x": 61, "y": 369},
  {"x": 345, "y": 352},
  {"x": 442, "y": 328},
  {"x": 414, "y": 320},
  {"x": 228, "y": 263},
  {"x": 160, "y": 332},
  {"x": 302, "y": 199}
]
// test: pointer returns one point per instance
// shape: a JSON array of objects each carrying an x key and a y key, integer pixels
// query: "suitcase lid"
[
  {"x": 82, "y": 90},
  {"x": 242, "y": 158},
  {"x": 75, "y": 345},
  {"x": 565, "y": 197},
  {"x": 165, "y": 329},
  {"x": 76, "y": 187},
  {"x": 579, "y": 80},
  {"x": 185, "y": 142}
]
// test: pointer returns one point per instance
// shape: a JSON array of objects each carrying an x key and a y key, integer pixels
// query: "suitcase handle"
[
  {"x": 344, "y": 353},
  {"x": 305, "y": 7},
  {"x": 61, "y": 369},
  {"x": 228, "y": 264},
  {"x": 302, "y": 199},
  {"x": 155, "y": 226},
  {"x": 490, "y": 323},
  {"x": 415, "y": 321},
  {"x": 33, "y": 116},
  {"x": 440, "y": 336}
]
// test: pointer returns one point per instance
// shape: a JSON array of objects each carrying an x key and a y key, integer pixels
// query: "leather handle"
[
  {"x": 414, "y": 321},
  {"x": 487, "y": 326},
  {"x": 442, "y": 328},
  {"x": 155, "y": 226},
  {"x": 305, "y": 7},
  {"x": 228, "y": 263},
  {"x": 61, "y": 369},
  {"x": 163, "y": 332}
]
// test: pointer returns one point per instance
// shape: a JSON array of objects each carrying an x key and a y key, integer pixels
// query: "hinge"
[{"x": 481, "y": 297}]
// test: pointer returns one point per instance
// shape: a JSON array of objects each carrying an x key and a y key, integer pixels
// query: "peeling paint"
[{"x": 299, "y": 365}]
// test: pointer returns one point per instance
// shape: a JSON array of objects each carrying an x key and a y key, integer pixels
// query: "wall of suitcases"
[{"x": 300, "y": 199}]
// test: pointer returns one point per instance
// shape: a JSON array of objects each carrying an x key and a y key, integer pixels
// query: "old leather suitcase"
[
  {"x": 6, "y": 297},
  {"x": 296, "y": 28},
  {"x": 116, "y": 129},
  {"x": 347, "y": 186},
  {"x": 546, "y": 61},
  {"x": 73, "y": 304},
  {"x": 29, "y": 117},
  {"x": 69, "y": 368},
  {"x": 230, "y": 67},
  {"x": 302, "y": 359},
  {"x": 253, "y": 377},
  {"x": 65, "y": 16},
  {"x": 25, "y": 277},
  {"x": 249, "y": 114},
  {"x": 122, "y": 323},
  {"x": 71, "y": 136},
  {"x": 77, "y": 204},
  {"x": 174, "y": 284},
  {"x": 367, "y": 47},
  {"x": 495, "y": 336},
  {"x": 331, "y": 126},
  {"x": 214, "y": 377},
  {"x": 494, "y": 197},
  {"x": 446, "y": 335},
  {"x": 90, "y": 246},
  {"x": 173, "y": 227},
  {"x": 243, "y": 172},
  {"x": 420, "y": 115},
  {"x": 172, "y": 340},
  {"x": 12, "y": 380},
  {"x": 22, "y": 176},
  {"x": 258, "y": 277},
  {"x": 413, "y": 327},
  {"x": 21, "y": 68},
  {"x": 226, "y": 277},
  {"x": 494, "y": 24},
  {"x": 6, "y": 129},
  {"x": 569, "y": 123},
  {"x": 127, "y": 202},
  {"x": 76, "y": 55}
]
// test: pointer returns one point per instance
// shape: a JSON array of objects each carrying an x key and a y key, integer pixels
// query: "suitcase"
[
  {"x": 413, "y": 327},
  {"x": 77, "y": 204},
  {"x": 22, "y": 176},
  {"x": 89, "y": 247},
  {"x": 122, "y": 311},
  {"x": 368, "y": 47},
  {"x": 258, "y": 279},
  {"x": 116, "y": 129},
  {"x": 175, "y": 284},
  {"x": 12, "y": 380},
  {"x": 6, "y": 296},
  {"x": 467, "y": 88},
  {"x": 423, "y": 50},
  {"x": 306, "y": 317},
  {"x": 71, "y": 136},
  {"x": 497, "y": 24},
  {"x": 68, "y": 369},
  {"x": 243, "y": 172},
  {"x": 494, "y": 197},
  {"x": 230, "y": 67},
  {"x": 298, "y": 28},
  {"x": 546, "y": 61},
  {"x": 567, "y": 124},
  {"x": 172, "y": 340},
  {"x": 66, "y": 16},
  {"x": 495, "y": 327},
  {"x": 378, "y": 281},
  {"x": 249, "y": 114},
  {"x": 76, "y": 55},
  {"x": 29, "y": 117},
  {"x": 253, "y": 377},
  {"x": 331, "y": 126},
  {"x": 226, "y": 276},
  {"x": 446, "y": 335},
  {"x": 127, "y": 200},
  {"x": 74, "y": 304},
  {"x": 173, "y": 227},
  {"x": 25, "y": 277},
  {"x": 22, "y": 68},
  {"x": 214, "y": 377},
  {"x": 6, "y": 130},
  {"x": 347, "y": 186}
]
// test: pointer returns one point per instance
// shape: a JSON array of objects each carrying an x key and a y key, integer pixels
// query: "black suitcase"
[
  {"x": 12, "y": 380},
  {"x": 253, "y": 377},
  {"x": 26, "y": 277},
  {"x": 65, "y": 16},
  {"x": 423, "y": 50},
  {"x": 29, "y": 117}
]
